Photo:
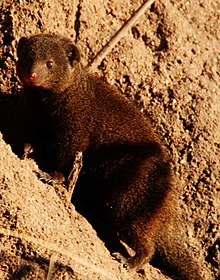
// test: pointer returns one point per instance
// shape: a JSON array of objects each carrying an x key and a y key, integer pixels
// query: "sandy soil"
[{"x": 169, "y": 64}]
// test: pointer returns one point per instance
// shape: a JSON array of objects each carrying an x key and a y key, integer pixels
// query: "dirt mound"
[{"x": 169, "y": 64}]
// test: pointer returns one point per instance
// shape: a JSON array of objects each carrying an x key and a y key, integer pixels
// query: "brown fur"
[{"x": 126, "y": 178}]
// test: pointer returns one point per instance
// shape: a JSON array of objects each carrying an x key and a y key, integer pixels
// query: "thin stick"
[
  {"x": 74, "y": 174},
  {"x": 51, "y": 266},
  {"x": 119, "y": 34}
]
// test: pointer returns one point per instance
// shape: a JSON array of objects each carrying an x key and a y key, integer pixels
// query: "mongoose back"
[{"x": 126, "y": 179}]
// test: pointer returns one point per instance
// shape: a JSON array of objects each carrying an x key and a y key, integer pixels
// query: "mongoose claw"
[{"x": 118, "y": 257}]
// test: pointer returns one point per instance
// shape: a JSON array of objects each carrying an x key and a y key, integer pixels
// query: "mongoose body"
[{"x": 126, "y": 178}]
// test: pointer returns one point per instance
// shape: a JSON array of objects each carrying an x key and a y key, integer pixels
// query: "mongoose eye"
[{"x": 49, "y": 64}]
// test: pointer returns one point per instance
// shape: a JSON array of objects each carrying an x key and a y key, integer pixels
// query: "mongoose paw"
[
  {"x": 118, "y": 257},
  {"x": 51, "y": 179},
  {"x": 28, "y": 150}
]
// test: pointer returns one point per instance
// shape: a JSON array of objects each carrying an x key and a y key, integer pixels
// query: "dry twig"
[
  {"x": 119, "y": 34},
  {"x": 74, "y": 174}
]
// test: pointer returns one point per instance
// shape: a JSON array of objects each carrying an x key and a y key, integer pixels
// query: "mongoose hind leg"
[
  {"x": 144, "y": 253},
  {"x": 141, "y": 257},
  {"x": 140, "y": 207},
  {"x": 140, "y": 237}
]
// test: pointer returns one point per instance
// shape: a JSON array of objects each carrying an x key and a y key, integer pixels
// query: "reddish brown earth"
[{"x": 169, "y": 64}]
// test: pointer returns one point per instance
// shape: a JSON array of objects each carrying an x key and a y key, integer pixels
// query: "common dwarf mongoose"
[{"x": 126, "y": 179}]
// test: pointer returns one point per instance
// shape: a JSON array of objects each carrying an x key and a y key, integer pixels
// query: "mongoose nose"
[{"x": 32, "y": 76}]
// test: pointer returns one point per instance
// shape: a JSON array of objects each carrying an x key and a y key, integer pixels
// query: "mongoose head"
[{"x": 46, "y": 61}]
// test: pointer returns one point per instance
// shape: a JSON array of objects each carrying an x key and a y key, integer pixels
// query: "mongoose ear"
[
  {"x": 22, "y": 42},
  {"x": 73, "y": 54}
]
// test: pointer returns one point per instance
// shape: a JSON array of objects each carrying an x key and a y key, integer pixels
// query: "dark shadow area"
[
  {"x": 105, "y": 230},
  {"x": 15, "y": 122}
]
